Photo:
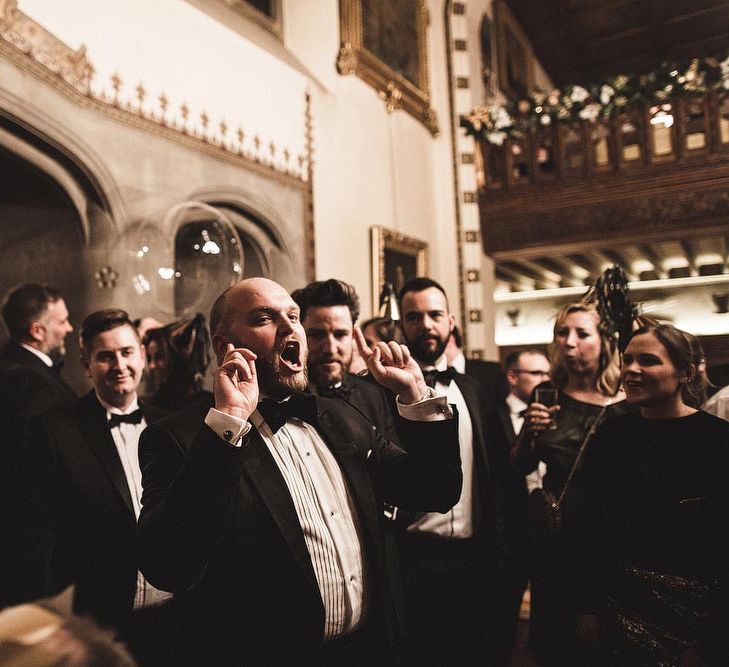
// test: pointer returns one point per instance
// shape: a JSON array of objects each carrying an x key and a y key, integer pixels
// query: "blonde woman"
[{"x": 586, "y": 374}]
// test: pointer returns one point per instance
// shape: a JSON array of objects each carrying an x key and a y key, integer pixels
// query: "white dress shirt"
[
  {"x": 324, "y": 506},
  {"x": 516, "y": 411},
  {"x": 461, "y": 522},
  {"x": 126, "y": 439},
  {"x": 459, "y": 363}
]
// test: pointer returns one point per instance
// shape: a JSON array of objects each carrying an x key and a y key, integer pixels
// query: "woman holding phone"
[
  {"x": 586, "y": 378},
  {"x": 653, "y": 515}
]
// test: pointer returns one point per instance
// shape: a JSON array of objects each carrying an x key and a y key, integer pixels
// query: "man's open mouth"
[{"x": 291, "y": 356}]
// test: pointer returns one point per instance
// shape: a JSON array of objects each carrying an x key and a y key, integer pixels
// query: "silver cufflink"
[{"x": 227, "y": 435}]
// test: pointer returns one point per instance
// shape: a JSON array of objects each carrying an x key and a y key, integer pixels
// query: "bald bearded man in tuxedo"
[{"x": 262, "y": 515}]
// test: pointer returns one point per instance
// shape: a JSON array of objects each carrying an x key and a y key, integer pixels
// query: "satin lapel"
[
  {"x": 473, "y": 402},
  {"x": 262, "y": 470},
  {"x": 101, "y": 443},
  {"x": 355, "y": 470}
]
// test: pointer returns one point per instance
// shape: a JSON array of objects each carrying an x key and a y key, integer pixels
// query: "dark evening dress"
[
  {"x": 554, "y": 604},
  {"x": 653, "y": 523}
]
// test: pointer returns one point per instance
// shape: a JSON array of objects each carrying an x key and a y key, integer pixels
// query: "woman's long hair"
[
  {"x": 607, "y": 379},
  {"x": 685, "y": 352}
]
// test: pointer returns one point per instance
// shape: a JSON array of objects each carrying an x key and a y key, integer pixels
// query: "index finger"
[
  {"x": 247, "y": 354},
  {"x": 364, "y": 350}
]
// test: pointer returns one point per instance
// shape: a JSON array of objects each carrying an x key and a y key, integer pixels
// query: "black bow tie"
[
  {"x": 132, "y": 418},
  {"x": 300, "y": 406},
  {"x": 341, "y": 391},
  {"x": 431, "y": 377},
  {"x": 58, "y": 364}
]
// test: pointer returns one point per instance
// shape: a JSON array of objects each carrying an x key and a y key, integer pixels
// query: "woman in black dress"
[
  {"x": 653, "y": 515},
  {"x": 586, "y": 373}
]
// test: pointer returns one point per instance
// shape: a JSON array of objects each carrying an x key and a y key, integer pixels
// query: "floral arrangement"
[{"x": 597, "y": 101}]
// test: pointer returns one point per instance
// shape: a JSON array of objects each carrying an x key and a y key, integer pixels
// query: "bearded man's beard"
[
  {"x": 425, "y": 356},
  {"x": 274, "y": 384}
]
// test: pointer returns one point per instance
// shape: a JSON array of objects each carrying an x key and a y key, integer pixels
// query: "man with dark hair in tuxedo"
[
  {"x": 329, "y": 311},
  {"x": 453, "y": 564},
  {"x": 262, "y": 515},
  {"x": 81, "y": 494},
  {"x": 30, "y": 384}
]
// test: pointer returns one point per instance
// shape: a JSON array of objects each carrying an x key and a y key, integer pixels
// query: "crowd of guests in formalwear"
[{"x": 356, "y": 496}]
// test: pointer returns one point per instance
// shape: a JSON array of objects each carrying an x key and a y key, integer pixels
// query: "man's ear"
[
  {"x": 143, "y": 352},
  {"x": 85, "y": 364},
  {"x": 37, "y": 332},
  {"x": 220, "y": 343},
  {"x": 511, "y": 377},
  {"x": 451, "y": 322}
]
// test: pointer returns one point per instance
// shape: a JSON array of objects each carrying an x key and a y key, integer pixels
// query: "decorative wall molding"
[
  {"x": 32, "y": 39},
  {"x": 394, "y": 89},
  {"x": 471, "y": 295},
  {"x": 31, "y": 47}
]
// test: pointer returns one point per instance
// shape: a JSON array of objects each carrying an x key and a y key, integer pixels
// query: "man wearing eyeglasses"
[{"x": 525, "y": 369}]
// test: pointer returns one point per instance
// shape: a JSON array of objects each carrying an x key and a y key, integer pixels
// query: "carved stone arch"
[
  {"x": 261, "y": 214},
  {"x": 66, "y": 159},
  {"x": 259, "y": 222}
]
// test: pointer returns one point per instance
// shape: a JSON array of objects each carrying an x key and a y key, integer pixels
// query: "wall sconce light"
[
  {"x": 721, "y": 301},
  {"x": 513, "y": 316}
]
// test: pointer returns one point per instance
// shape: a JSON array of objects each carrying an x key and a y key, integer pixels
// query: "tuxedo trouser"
[{"x": 453, "y": 602}]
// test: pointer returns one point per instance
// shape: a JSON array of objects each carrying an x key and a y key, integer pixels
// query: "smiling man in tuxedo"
[
  {"x": 81, "y": 494},
  {"x": 263, "y": 514}
]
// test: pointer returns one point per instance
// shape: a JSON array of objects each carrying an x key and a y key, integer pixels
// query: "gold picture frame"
[
  {"x": 408, "y": 90},
  {"x": 395, "y": 258}
]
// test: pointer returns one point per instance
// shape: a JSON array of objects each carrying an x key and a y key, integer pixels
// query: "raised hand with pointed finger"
[
  {"x": 236, "y": 383},
  {"x": 392, "y": 366}
]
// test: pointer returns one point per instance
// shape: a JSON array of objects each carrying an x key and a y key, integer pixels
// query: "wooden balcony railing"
[{"x": 683, "y": 131}]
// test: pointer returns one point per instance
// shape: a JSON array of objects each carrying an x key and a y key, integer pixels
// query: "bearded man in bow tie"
[
  {"x": 81, "y": 495},
  {"x": 454, "y": 564},
  {"x": 329, "y": 310},
  {"x": 262, "y": 515}
]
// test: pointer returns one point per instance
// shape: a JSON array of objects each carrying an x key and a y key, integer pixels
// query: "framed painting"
[
  {"x": 395, "y": 259},
  {"x": 384, "y": 42}
]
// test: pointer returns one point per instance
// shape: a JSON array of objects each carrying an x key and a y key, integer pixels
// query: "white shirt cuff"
[
  {"x": 228, "y": 428},
  {"x": 431, "y": 408}
]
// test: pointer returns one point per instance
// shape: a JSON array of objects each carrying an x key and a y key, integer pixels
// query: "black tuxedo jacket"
[
  {"x": 373, "y": 402},
  {"x": 28, "y": 388},
  {"x": 491, "y": 464},
  {"x": 78, "y": 519},
  {"x": 219, "y": 529},
  {"x": 504, "y": 413},
  {"x": 492, "y": 378}
]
